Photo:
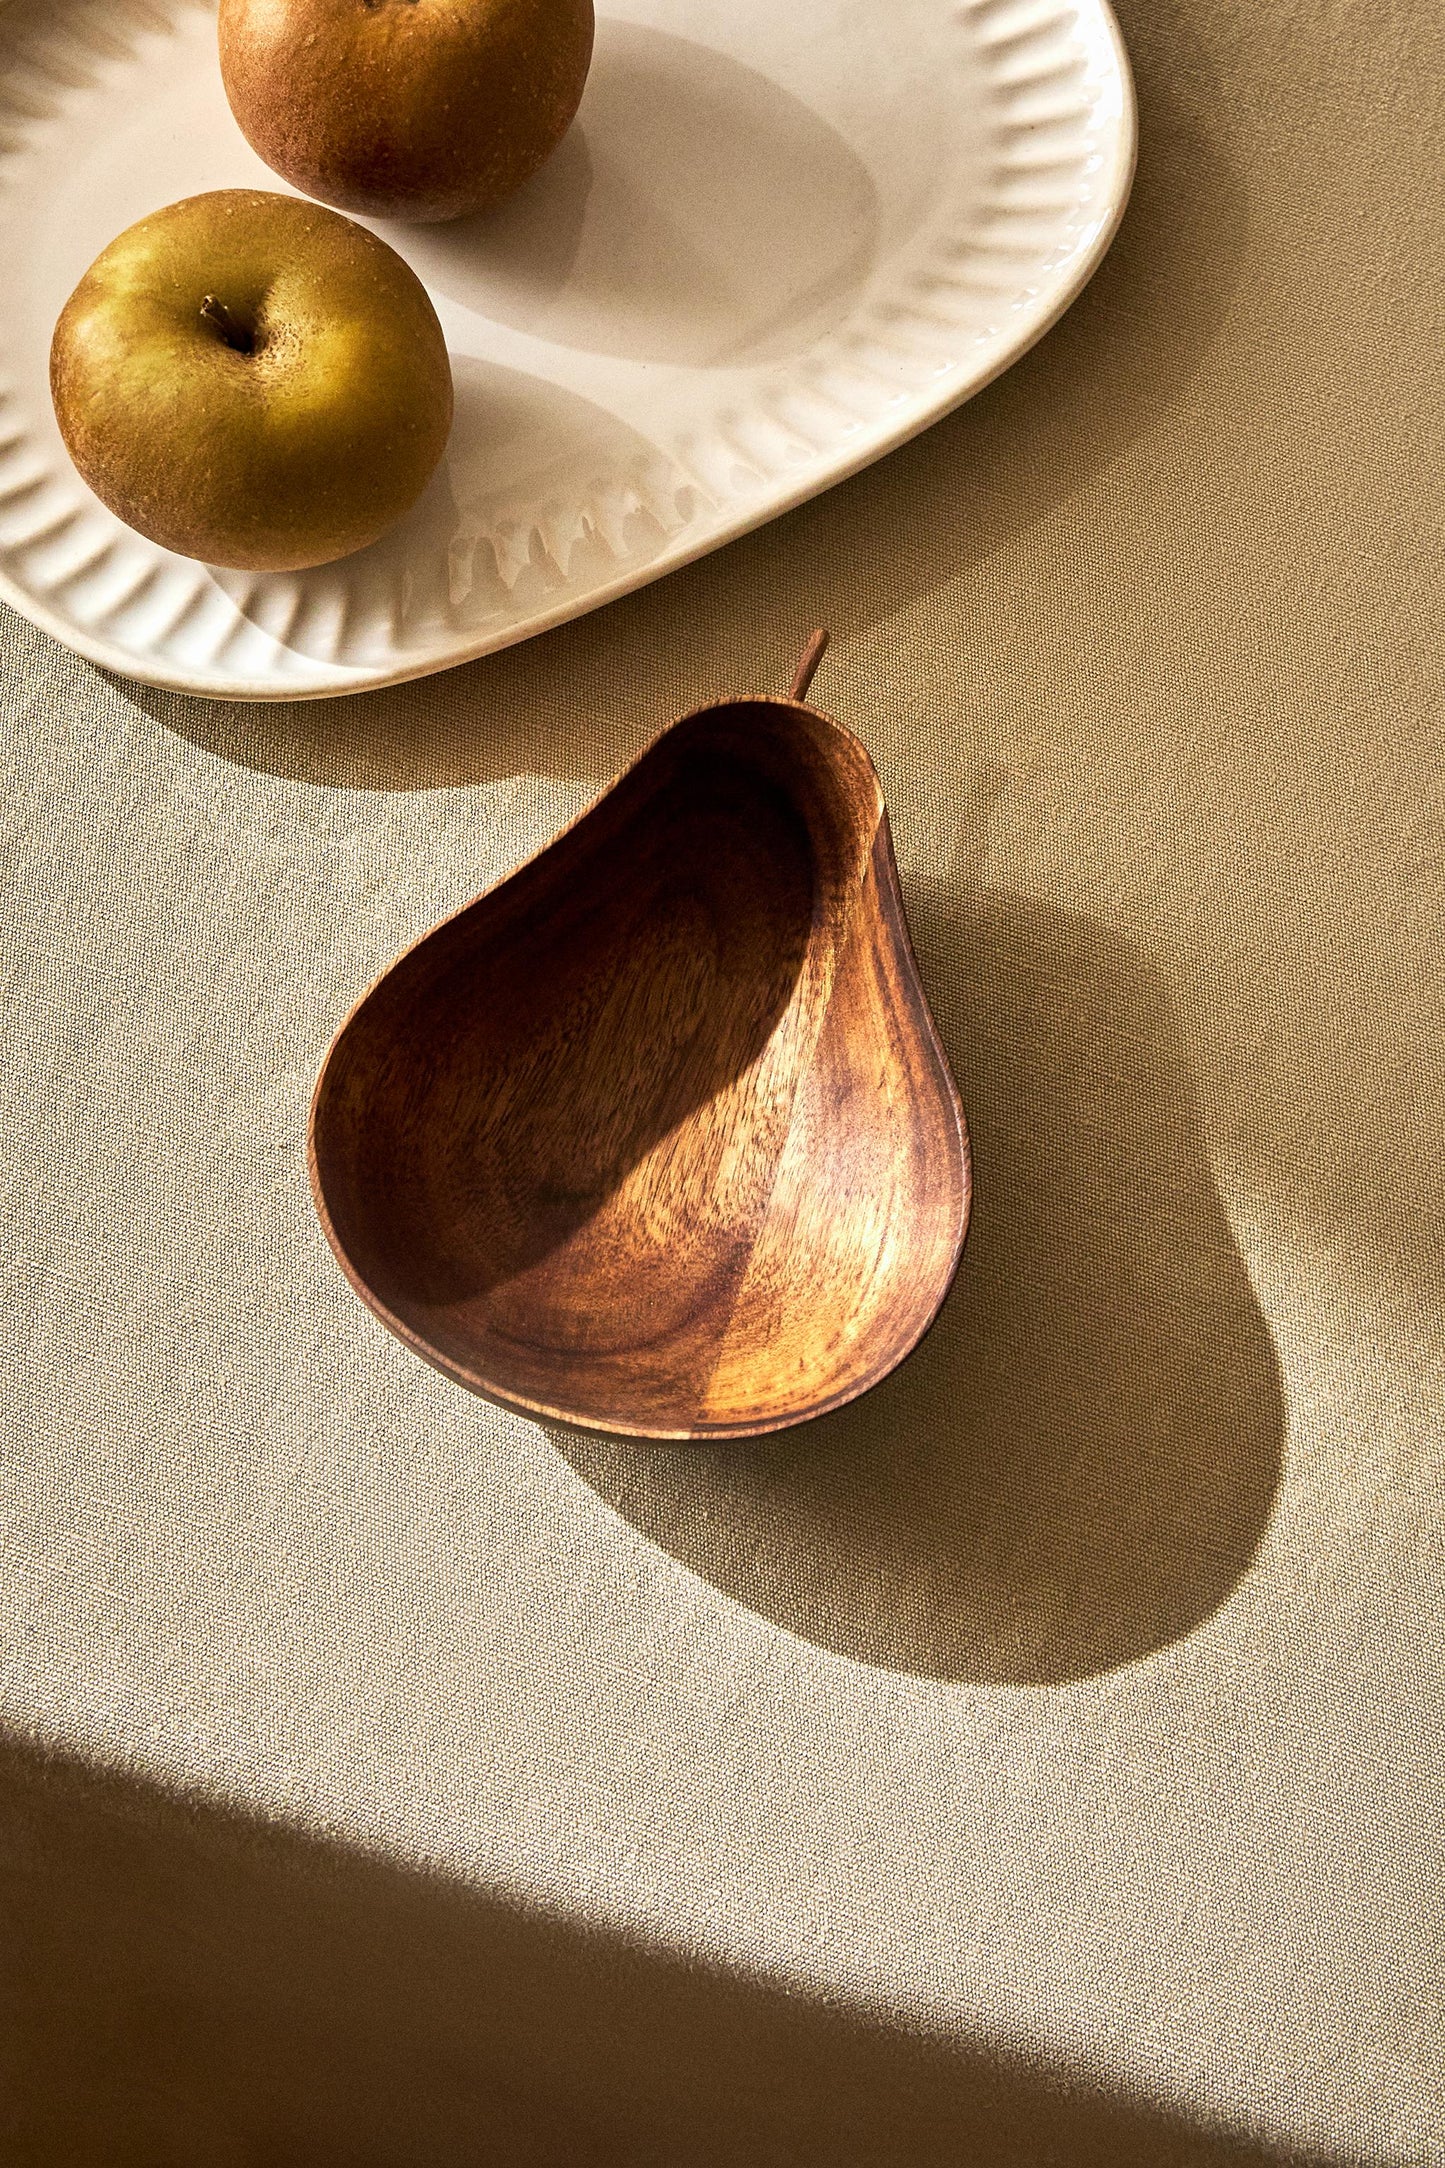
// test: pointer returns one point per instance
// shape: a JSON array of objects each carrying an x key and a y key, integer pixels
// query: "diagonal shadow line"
[{"x": 186, "y": 1987}]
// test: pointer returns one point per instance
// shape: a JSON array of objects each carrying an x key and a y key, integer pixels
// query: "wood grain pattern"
[{"x": 657, "y": 1137}]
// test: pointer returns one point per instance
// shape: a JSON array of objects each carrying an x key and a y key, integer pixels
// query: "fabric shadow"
[
  {"x": 186, "y": 1989},
  {"x": 1076, "y": 1467}
]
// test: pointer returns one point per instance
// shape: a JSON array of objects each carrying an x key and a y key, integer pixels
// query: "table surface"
[{"x": 1038, "y": 1761}]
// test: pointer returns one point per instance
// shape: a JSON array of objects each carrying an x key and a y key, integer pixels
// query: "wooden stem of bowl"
[{"x": 808, "y": 662}]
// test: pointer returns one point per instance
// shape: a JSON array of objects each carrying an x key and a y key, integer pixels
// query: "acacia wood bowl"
[{"x": 657, "y": 1137}]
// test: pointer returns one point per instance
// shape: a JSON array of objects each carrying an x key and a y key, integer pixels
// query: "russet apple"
[
  {"x": 420, "y": 109},
  {"x": 252, "y": 380}
]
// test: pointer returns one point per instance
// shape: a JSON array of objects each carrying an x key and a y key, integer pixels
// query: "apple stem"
[
  {"x": 235, "y": 334},
  {"x": 808, "y": 662}
]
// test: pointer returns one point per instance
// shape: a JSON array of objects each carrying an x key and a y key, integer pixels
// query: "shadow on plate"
[
  {"x": 580, "y": 701},
  {"x": 1076, "y": 1467},
  {"x": 185, "y": 1988},
  {"x": 539, "y": 490},
  {"x": 642, "y": 236}
]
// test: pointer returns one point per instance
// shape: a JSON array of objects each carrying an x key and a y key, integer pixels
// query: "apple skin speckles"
[
  {"x": 395, "y": 109},
  {"x": 253, "y": 381}
]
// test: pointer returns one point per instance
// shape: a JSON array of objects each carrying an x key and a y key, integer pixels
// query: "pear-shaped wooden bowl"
[{"x": 657, "y": 1137}]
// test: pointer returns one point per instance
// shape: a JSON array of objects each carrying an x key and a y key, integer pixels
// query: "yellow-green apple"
[
  {"x": 252, "y": 380},
  {"x": 405, "y": 108}
]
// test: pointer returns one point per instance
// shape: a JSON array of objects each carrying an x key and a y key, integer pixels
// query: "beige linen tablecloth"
[{"x": 1038, "y": 1763}]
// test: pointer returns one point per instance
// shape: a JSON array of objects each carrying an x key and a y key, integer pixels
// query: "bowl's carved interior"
[{"x": 657, "y": 1135}]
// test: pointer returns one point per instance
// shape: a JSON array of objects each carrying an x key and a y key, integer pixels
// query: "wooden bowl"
[{"x": 657, "y": 1138}]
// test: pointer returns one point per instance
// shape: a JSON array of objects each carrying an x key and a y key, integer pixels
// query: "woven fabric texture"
[{"x": 1038, "y": 1762}]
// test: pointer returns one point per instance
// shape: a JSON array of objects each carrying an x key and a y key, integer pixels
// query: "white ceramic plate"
[{"x": 782, "y": 236}]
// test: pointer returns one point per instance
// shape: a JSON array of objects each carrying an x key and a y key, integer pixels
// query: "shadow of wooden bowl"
[{"x": 657, "y": 1137}]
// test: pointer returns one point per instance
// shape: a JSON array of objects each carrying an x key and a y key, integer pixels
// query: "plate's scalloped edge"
[{"x": 188, "y": 590}]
